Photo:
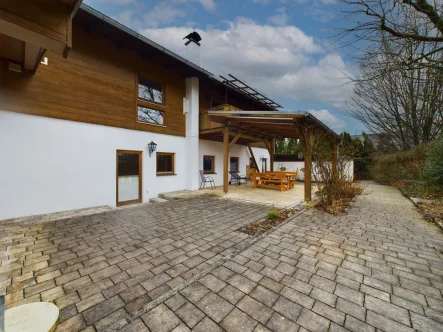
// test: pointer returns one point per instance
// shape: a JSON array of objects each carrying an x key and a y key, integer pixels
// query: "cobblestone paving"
[
  {"x": 376, "y": 269},
  {"x": 103, "y": 267},
  {"x": 379, "y": 268}
]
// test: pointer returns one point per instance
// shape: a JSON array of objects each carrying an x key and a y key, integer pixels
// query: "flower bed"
[{"x": 275, "y": 217}]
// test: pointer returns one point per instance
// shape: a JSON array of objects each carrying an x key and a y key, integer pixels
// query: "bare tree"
[
  {"x": 405, "y": 104},
  {"x": 390, "y": 25}
]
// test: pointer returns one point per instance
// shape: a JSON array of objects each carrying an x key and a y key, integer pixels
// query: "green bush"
[
  {"x": 400, "y": 166},
  {"x": 433, "y": 171},
  {"x": 273, "y": 214}
]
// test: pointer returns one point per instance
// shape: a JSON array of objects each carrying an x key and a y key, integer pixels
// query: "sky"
[{"x": 284, "y": 48}]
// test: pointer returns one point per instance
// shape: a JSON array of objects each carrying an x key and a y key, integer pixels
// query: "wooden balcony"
[{"x": 205, "y": 123}]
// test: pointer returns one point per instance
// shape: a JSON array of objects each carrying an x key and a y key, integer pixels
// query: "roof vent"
[{"x": 193, "y": 37}]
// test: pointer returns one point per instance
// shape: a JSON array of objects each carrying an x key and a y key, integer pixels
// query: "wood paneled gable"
[{"x": 96, "y": 84}]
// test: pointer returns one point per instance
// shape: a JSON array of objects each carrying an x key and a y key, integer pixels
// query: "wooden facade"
[
  {"x": 96, "y": 84},
  {"x": 29, "y": 28}
]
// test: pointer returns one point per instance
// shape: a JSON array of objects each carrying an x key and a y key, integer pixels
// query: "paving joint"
[{"x": 116, "y": 326}]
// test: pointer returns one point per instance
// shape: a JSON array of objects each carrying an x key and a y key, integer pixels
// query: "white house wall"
[
  {"x": 296, "y": 166},
  {"x": 50, "y": 165},
  {"x": 212, "y": 148}
]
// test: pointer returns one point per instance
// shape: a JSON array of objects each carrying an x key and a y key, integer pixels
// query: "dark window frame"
[
  {"x": 212, "y": 171},
  {"x": 149, "y": 122},
  {"x": 155, "y": 106},
  {"x": 172, "y": 154},
  {"x": 237, "y": 162}
]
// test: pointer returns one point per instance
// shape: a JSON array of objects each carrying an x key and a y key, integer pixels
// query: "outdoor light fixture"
[{"x": 151, "y": 147}]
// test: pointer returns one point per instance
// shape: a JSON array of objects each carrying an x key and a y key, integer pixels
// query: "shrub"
[
  {"x": 400, "y": 166},
  {"x": 273, "y": 214},
  {"x": 433, "y": 171}
]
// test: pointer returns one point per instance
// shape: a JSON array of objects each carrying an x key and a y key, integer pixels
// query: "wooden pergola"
[{"x": 262, "y": 128}]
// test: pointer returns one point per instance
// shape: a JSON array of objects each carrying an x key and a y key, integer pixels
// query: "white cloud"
[
  {"x": 208, "y": 5},
  {"x": 125, "y": 17},
  {"x": 329, "y": 119},
  {"x": 280, "y": 18},
  {"x": 162, "y": 13},
  {"x": 280, "y": 61}
]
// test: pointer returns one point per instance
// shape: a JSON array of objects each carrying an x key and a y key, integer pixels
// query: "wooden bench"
[
  {"x": 291, "y": 176},
  {"x": 271, "y": 180}
]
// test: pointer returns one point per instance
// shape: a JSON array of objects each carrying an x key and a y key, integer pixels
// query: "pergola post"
[
  {"x": 307, "y": 140},
  {"x": 225, "y": 159},
  {"x": 272, "y": 152},
  {"x": 308, "y": 176}
]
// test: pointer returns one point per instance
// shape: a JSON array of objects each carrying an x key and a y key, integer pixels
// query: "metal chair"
[
  {"x": 206, "y": 179},
  {"x": 236, "y": 177}
]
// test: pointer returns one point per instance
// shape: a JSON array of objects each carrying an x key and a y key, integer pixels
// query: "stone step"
[
  {"x": 157, "y": 200},
  {"x": 166, "y": 197}
]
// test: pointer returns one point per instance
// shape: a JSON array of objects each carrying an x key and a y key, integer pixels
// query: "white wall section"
[
  {"x": 192, "y": 132},
  {"x": 296, "y": 166},
  {"x": 50, "y": 165},
  {"x": 212, "y": 148}
]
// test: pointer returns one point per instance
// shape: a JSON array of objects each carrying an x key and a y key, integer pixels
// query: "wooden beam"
[
  {"x": 272, "y": 153},
  {"x": 234, "y": 140},
  {"x": 75, "y": 7},
  {"x": 18, "y": 32},
  {"x": 33, "y": 56},
  {"x": 212, "y": 131},
  {"x": 253, "y": 157},
  {"x": 308, "y": 175},
  {"x": 225, "y": 159},
  {"x": 265, "y": 142},
  {"x": 307, "y": 141}
]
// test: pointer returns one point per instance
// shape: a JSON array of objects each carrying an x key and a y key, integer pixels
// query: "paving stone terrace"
[{"x": 379, "y": 268}]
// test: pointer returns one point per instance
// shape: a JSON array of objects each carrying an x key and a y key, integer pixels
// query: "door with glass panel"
[{"x": 129, "y": 177}]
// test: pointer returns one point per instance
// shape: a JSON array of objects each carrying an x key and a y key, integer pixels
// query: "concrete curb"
[{"x": 438, "y": 223}]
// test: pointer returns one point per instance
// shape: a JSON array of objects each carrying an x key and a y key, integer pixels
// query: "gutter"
[{"x": 142, "y": 38}]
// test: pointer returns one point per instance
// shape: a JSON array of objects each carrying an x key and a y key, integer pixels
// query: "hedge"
[{"x": 400, "y": 166}]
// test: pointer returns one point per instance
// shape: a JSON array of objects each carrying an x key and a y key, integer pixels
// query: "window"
[
  {"x": 208, "y": 164},
  {"x": 149, "y": 90},
  {"x": 150, "y": 102},
  {"x": 150, "y": 115},
  {"x": 165, "y": 163},
  {"x": 233, "y": 163}
]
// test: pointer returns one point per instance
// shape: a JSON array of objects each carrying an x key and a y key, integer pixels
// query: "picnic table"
[{"x": 274, "y": 180}]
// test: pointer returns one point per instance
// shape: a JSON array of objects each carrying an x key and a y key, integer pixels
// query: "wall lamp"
[{"x": 151, "y": 147}]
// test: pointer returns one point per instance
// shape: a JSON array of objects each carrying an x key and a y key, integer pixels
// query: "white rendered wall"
[
  {"x": 296, "y": 166},
  {"x": 212, "y": 148},
  {"x": 50, "y": 165},
  {"x": 192, "y": 132}
]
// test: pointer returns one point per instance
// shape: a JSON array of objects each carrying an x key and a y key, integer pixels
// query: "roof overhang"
[
  {"x": 278, "y": 124},
  {"x": 101, "y": 24}
]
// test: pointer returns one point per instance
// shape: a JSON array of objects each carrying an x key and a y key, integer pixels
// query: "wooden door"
[{"x": 129, "y": 177}]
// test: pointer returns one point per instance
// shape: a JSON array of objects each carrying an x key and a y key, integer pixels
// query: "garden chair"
[
  {"x": 236, "y": 177},
  {"x": 205, "y": 179}
]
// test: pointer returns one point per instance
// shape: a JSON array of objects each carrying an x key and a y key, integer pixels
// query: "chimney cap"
[{"x": 193, "y": 37}]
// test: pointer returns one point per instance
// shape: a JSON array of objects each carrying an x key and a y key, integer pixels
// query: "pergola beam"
[
  {"x": 253, "y": 157},
  {"x": 234, "y": 140},
  {"x": 225, "y": 159}
]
